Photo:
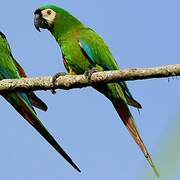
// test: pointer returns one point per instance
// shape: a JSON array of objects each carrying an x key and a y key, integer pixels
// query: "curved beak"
[{"x": 39, "y": 21}]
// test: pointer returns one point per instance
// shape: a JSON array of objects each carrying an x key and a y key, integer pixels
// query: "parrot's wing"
[
  {"x": 35, "y": 101},
  {"x": 19, "y": 68},
  {"x": 98, "y": 53},
  {"x": 130, "y": 100},
  {"x": 8, "y": 70},
  {"x": 97, "y": 50}
]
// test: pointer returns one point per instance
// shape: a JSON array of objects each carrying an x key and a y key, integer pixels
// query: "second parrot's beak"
[{"x": 39, "y": 21}]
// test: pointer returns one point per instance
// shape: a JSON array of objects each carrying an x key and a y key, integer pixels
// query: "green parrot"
[
  {"x": 24, "y": 102},
  {"x": 84, "y": 51}
]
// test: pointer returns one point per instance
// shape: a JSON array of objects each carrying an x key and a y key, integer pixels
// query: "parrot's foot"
[
  {"x": 54, "y": 78},
  {"x": 89, "y": 73}
]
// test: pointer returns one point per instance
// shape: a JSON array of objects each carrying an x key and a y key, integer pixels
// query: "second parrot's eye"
[{"x": 49, "y": 12}]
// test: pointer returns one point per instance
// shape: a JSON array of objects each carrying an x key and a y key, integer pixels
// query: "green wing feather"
[{"x": 99, "y": 54}]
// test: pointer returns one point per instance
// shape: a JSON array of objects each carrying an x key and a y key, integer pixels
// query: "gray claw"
[
  {"x": 55, "y": 77},
  {"x": 89, "y": 73}
]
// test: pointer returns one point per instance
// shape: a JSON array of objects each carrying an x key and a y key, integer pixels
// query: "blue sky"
[{"x": 140, "y": 34}]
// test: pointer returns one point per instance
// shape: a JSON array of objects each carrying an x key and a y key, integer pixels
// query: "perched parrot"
[
  {"x": 83, "y": 50},
  {"x": 23, "y": 102}
]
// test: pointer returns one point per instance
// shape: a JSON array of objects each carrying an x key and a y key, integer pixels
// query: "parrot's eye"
[
  {"x": 48, "y": 15},
  {"x": 49, "y": 12}
]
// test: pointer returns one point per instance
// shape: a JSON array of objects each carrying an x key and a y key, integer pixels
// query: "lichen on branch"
[{"x": 79, "y": 81}]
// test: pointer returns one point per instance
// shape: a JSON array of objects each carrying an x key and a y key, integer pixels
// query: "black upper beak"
[{"x": 39, "y": 21}]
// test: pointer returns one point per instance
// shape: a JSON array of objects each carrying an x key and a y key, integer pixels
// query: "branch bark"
[{"x": 79, "y": 81}]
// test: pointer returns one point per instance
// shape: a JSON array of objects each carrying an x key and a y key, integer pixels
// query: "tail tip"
[{"x": 77, "y": 169}]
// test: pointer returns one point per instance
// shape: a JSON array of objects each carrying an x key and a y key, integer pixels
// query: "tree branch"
[{"x": 79, "y": 81}]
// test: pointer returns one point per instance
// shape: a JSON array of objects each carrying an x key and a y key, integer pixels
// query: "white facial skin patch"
[{"x": 49, "y": 15}]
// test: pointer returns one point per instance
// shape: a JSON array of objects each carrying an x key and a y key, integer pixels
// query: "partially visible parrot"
[
  {"x": 83, "y": 50},
  {"x": 23, "y": 102}
]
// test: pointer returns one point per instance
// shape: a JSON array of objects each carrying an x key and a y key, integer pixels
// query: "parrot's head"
[
  {"x": 54, "y": 18},
  {"x": 2, "y": 36},
  {"x": 44, "y": 17}
]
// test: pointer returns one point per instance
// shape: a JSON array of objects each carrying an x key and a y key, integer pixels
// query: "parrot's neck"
[{"x": 63, "y": 26}]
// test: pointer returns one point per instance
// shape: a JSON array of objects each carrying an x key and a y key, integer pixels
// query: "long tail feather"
[
  {"x": 128, "y": 120},
  {"x": 21, "y": 106}
]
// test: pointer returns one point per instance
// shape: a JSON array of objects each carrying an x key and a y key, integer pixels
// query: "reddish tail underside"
[{"x": 128, "y": 120}]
